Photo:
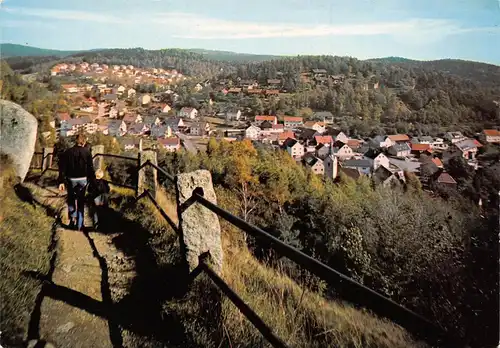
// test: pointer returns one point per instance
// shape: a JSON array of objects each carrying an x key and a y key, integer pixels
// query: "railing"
[{"x": 348, "y": 288}]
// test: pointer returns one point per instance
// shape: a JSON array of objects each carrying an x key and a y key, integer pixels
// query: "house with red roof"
[
  {"x": 284, "y": 136},
  {"x": 261, "y": 118},
  {"x": 292, "y": 121},
  {"x": 170, "y": 144},
  {"x": 418, "y": 149},
  {"x": 323, "y": 139},
  {"x": 70, "y": 88},
  {"x": 491, "y": 136}
]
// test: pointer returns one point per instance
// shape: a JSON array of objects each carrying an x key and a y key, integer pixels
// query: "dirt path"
[{"x": 76, "y": 308}]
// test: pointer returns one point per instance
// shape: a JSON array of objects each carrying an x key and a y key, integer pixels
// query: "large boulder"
[{"x": 17, "y": 136}]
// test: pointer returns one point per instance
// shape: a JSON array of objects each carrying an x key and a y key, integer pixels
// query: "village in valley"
[{"x": 106, "y": 99}]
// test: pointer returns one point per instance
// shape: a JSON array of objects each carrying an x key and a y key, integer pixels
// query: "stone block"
[
  {"x": 147, "y": 176},
  {"x": 199, "y": 227}
]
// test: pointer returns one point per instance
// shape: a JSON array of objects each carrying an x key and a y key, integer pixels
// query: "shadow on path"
[{"x": 141, "y": 310}]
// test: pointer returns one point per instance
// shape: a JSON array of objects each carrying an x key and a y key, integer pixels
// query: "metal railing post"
[{"x": 47, "y": 156}]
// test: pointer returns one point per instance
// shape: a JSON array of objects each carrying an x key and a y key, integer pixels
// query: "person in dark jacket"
[
  {"x": 76, "y": 171},
  {"x": 99, "y": 195}
]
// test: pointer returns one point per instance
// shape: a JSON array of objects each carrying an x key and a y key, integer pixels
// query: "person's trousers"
[
  {"x": 76, "y": 200},
  {"x": 99, "y": 203}
]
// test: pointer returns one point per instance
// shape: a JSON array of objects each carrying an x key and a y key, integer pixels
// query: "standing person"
[
  {"x": 99, "y": 196},
  {"x": 76, "y": 171}
]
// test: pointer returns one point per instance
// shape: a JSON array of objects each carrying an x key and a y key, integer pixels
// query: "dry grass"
[
  {"x": 25, "y": 235},
  {"x": 300, "y": 317}
]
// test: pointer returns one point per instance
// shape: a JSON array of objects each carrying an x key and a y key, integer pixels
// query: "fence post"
[
  {"x": 147, "y": 176},
  {"x": 199, "y": 227},
  {"x": 47, "y": 156},
  {"x": 98, "y": 160}
]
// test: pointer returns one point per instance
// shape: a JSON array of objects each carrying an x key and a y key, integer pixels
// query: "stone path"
[{"x": 76, "y": 307}]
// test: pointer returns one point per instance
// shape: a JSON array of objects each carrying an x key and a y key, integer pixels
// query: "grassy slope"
[
  {"x": 301, "y": 318},
  {"x": 24, "y": 238}
]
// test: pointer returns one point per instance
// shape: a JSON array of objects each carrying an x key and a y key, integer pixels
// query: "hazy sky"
[{"x": 419, "y": 29}]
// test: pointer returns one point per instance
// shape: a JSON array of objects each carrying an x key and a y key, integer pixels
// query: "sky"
[{"x": 417, "y": 29}]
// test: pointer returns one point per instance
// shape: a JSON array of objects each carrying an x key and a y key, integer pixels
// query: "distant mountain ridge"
[{"x": 15, "y": 50}]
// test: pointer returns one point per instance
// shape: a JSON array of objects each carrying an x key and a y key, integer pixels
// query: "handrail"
[
  {"x": 163, "y": 171},
  {"x": 248, "y": 312},
  {"x": 114, "y": 156},
  {"x": 358, "y": 293},
  {"x": 368, "y": 297}
]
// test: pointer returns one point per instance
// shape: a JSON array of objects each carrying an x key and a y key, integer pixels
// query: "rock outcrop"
[{"x": 18, "y": 129}]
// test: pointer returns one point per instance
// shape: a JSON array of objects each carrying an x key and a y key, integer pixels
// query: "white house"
[
  {"x": 454, "y": 137},
  {"x": 439, "y": 144},
  {"x": 165, "y": 108},
  {"x": 170, "y": 144},
  {"x": 198, "y": 87},
  {"x": 152, "y": 121},
  {"x": 233, "y": 115},
  {"x": 294, "y": 148},
  {"x": 145, "y": 99},
  {"x": 187, "y": 112},
  {"x": 342, "y": 151},
  {"x": 400, "y": 150},
  {"x": 117, "y": 128},
  {"x": 75, "y": 125},
  {"x": 120, "y": 90},
  {"x": 340, "y": 136},
  {"x": 160, "y": 131},
  {"x": 319, "y": 127},
  {"x": 131, "y": 92},
  {"x": 315, "y": 164},
  {"x": 380, "y": 142},
  {"x": 252, "y": 132},
  {"x": 138, "y": 129},
  {"x": 113, "y": 112},
  {"x": 376, "y": 159},
  {"x": 199, "y": 128},
  {"x": 175, "y": 123},
  {"x": 132, "y": 118},
  {"x": 292, "y": 122}
]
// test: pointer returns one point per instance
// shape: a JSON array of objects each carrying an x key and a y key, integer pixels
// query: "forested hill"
[
  {"x": 228, "y": 56},
  {"x": 14, "y": 50},
  {"x": 475, "y": 71}
]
